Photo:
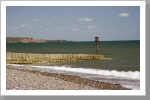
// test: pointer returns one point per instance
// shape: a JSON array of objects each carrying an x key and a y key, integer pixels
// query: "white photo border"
[{"x": 73, "y": 92}]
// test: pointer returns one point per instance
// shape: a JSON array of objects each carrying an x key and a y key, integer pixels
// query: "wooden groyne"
[{"x": 27, "y": 58}]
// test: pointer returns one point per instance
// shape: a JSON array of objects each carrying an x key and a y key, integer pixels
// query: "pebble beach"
[{"x": 20, "y": 79}]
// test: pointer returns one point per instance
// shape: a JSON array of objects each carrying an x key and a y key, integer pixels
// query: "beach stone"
[{"x": 25, "y": 80}]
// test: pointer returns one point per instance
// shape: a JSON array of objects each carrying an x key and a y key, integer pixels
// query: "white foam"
[
  {"x": 114, "y": 73},
  {"x": 133, "y": 87},
  {"x": 109, "y": 73}
]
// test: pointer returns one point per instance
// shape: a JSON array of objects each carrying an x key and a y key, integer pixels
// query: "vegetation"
[
  {"x": 15, "y": 38},
  {"x": 28, "y": 39}
]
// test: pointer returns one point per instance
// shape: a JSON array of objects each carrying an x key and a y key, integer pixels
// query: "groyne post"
[{"x": 96, "y": 40}]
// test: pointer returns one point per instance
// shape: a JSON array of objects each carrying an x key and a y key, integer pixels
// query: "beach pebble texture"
[{"x": 22, "y": 80}]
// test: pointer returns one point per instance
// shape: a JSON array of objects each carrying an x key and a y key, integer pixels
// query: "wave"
[{"x": 107, "y": 73}]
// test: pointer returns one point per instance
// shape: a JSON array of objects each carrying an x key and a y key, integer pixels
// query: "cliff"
[
  {"x": 29, "y": 40},
  {"x": 21, "y": 40},
  {"x": 27, "y": 58},
  {"x": 58, "y": 41}
]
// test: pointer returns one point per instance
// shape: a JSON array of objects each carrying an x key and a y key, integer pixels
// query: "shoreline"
[{"x": 31, "y": 75}]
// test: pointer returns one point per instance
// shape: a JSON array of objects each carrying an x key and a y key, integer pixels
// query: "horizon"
[{"x": 76, "y": 40}]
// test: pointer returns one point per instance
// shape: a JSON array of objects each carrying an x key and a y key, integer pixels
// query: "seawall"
[{"x": 27, "y": 58}]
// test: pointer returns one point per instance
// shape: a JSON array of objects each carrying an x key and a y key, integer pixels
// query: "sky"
[{"x": 76, "y": 23}]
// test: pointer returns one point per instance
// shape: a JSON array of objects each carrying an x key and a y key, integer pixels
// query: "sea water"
[{"x": 121, "y": 66}]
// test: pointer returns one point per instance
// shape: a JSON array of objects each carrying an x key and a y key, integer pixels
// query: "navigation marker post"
[{"x": 96, "y": 40}]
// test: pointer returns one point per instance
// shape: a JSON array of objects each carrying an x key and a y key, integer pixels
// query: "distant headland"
[{"x": 30, "y": 40}]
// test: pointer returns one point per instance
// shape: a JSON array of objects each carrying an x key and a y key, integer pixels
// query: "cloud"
[
  {"x": 22, "y": 26},
  {"x": 35, "y": 20},
  {"x": 85, "y": 19},
  {"x": 124, "y": 14},
  {"x": 13, "y": 28},
  {"x": 48, "y": 23},
  {"x": 26, "y": 25},
  {"x": 91, "y": 27},
  {"x": 75, "y": 29}
]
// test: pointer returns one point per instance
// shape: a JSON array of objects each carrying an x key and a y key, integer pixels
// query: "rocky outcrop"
[{"x": 27, "y": 58}]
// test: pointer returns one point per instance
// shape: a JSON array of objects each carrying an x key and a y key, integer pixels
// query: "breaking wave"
[{"x": 110, "y": 73}]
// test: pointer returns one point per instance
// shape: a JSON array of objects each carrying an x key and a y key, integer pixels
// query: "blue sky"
[{"x": 77, "y": 23}]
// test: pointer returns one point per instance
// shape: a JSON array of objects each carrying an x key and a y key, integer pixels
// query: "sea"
[{"x": 121, "y": 66}]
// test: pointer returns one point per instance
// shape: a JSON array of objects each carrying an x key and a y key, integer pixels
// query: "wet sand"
[{"x": 21, "y": 79}]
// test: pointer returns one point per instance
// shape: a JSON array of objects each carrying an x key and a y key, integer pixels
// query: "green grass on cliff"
[
  {"x": 14, "y": 38},
  {"x": 20, "y": 38}
]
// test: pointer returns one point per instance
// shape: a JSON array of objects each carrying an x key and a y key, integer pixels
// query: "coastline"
[{"x": 23, "y": 79}]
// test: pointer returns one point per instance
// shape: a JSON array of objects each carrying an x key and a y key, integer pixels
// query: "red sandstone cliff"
[
  {"x": 30, "y": 40},
  {"x": 26, "y": 40}
]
